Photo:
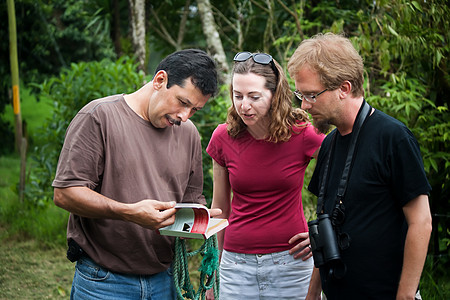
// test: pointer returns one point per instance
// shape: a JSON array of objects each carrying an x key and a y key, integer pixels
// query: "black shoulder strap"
[{"x": 360, "y": 118}]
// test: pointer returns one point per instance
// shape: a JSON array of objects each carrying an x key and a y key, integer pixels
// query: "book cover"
[{"x": 192, "y": 220}]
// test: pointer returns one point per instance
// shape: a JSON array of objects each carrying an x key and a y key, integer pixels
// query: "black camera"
[
  {"x": 74, "y": 251},
  {"x": 324, "y": 245}
]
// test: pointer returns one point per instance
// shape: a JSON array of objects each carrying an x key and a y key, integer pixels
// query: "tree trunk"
[
  {"x": 20, "y": 140},
  {"x": 213, "y": 39},
  {"x": 137, "y": 12}
]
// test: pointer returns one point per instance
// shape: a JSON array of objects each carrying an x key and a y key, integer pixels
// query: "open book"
[{"x": 192, "y": 220}]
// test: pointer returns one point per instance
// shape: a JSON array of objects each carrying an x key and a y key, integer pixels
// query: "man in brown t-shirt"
[{"x": 126, "y": 161}]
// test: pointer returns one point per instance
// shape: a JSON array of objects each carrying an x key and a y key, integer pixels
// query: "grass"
[
  {"x": 30, "y": 270},
  {"x": 9, "y": 174}
]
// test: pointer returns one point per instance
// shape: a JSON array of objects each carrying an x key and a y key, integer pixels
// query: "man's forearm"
[
  {"x": 315, "y": 286},
  {"x": 418, "y": 216},
  {"x": 415, "y": 253},
  {"x": 148, "y": 213}
]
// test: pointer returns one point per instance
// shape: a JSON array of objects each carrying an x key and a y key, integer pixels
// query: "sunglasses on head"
[{"x": 260, "y": 58}]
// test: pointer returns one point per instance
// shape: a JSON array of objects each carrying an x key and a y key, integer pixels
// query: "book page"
[
  {"x": 216, "y": 225},
  {"x": 184, "y": 220}
]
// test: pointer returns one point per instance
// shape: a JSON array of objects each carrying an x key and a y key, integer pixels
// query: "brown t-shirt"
[{"x": 111, "y": 150}]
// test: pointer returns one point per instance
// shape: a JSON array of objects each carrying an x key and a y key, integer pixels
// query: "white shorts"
[{"x": 263, "y": 276}]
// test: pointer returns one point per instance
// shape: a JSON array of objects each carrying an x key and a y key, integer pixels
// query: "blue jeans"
[{"x": 92, "y": 281}]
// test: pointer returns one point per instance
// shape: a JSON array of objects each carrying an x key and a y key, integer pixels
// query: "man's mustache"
[{"x": 173, "y": 121}]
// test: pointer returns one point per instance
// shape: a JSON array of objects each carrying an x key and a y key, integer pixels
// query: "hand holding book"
[{"x": 194, "y": 220}]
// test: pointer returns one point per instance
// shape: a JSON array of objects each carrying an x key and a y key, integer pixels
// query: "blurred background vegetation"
[{"x": 72, "y": 51}]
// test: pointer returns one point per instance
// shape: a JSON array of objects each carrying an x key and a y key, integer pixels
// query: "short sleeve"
[
  {"x": 312, "y": 140},
  {"x": 215, "y": 146},
  {"x": 406, "y": 165},
  {"x": 81, "y": 160},
  {"x": 313, "y": 186}
]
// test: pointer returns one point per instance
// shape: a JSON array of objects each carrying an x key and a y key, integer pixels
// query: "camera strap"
[{"x": 360, "y": 118}]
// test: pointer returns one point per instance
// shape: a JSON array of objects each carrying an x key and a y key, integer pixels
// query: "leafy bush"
[
  {"x": 435, "y": 280},
  {"x": 70, "y": 91},
  {"x": 47, "y": 225},
  {"x": 206, "y": 120}
]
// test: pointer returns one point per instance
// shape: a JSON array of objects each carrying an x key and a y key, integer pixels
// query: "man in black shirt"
[{"x": 385, "y": 207}]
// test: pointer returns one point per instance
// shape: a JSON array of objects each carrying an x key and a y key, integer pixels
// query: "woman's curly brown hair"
[{"x": 284, "y": 118}]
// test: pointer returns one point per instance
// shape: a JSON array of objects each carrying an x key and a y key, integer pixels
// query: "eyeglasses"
[
  {"x": 260, "y": 58},
  {"x": 310, "y": 98}
]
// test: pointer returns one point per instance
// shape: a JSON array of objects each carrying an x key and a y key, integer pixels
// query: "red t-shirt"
[{"x": 266, "y": 179}]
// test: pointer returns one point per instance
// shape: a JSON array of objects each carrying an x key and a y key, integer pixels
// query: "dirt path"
[{"x": 29, "y": 271}]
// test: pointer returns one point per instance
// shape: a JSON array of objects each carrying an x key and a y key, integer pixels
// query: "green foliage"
[
  {"x": 34, "y": 111},
  {"x": 74, "y": 88},
  {"x": 9, "y": 174},
  {"x": 435, "y": 280},
  {"x": 45, "y": 224},
  {"x": 405, "y": 99},
  {"x": 206, "y": 120},
  {"x": 50, "y": 35},
  {"x": 62, "y": 32}
]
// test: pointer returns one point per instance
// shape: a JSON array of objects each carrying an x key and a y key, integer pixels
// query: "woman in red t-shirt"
[{"x": 259, "y": 160}]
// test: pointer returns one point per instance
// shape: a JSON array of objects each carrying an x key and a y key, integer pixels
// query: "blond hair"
[{"x": 334, "y": 58}]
